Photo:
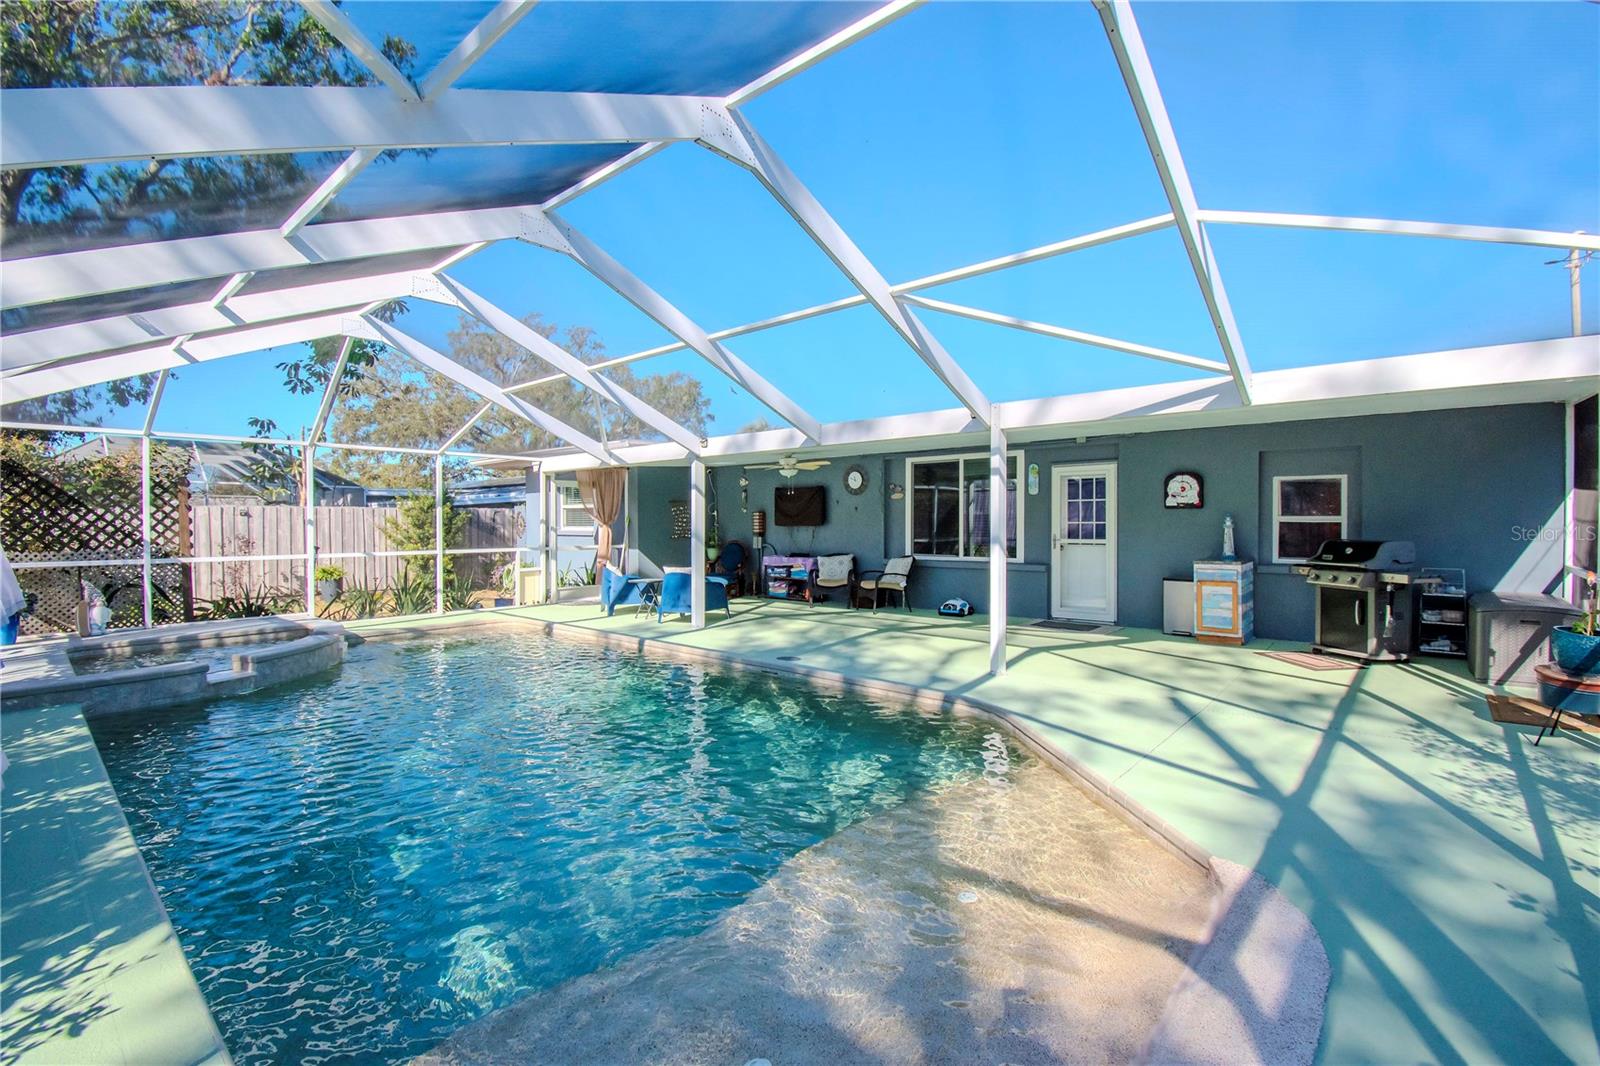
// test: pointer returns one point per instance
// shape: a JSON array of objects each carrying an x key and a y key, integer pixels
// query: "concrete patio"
[{"x": 1449, "y": 866}]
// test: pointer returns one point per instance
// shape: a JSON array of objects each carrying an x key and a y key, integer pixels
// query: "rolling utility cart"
[{"x": 1442, "y": 612}]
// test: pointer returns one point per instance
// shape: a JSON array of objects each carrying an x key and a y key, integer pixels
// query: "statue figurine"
[
  {"x": 1227, "y": 539},
  {"x": 96, "y": 613}
]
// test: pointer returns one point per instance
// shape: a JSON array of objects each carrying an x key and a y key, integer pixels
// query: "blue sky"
[{"x": 970, "y": 130}]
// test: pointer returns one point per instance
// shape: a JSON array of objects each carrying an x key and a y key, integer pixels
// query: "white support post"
[
  {"x": 546, "y": 556},
  {"x": 144, "y": 520},
  {"x": 998, "y": 561},
  {"x": 147, "y": 578},
  {"x": 308, "y": 464},
  {"x": 1134, "y": 62},
  {"x": 697, "y": 543},
  {"x": 438, "y": 534},
  {"x": 1575, "y": 282}
]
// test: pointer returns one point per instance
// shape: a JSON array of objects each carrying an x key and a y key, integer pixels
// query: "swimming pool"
[{"x": 361, "y": 865}]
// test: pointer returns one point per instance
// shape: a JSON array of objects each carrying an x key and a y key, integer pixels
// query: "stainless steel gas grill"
[{"x": 1366, "y": 598}]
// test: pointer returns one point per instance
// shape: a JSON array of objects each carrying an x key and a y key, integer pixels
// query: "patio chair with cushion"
[
  {"x": 837, "y": 572},
  {"x": 894, "y": 577},
  {"x": 675, "y": 595},
  {"x": 731, "y": 565}
]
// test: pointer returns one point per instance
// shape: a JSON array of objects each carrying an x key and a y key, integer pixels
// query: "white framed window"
[
  {"x": 1308, "y": 509},
  {"x": 947, "y": 506},
  {"x": 570, "y": 515}
]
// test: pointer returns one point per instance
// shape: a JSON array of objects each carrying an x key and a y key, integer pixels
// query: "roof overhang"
[{"x": 1547, "y": 371}]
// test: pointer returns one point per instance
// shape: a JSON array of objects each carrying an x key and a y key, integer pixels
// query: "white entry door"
[{"x": 1083, "y": 532}]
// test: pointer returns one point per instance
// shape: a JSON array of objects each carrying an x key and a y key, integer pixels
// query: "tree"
[
  {"x": 396, "y": 402},
  {"x": 88, "y": 406},
  {"x": 412, "y": 529},
  {"x": 55, "y": 43}
]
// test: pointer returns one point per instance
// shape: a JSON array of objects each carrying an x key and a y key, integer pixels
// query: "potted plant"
[
  {"x": 1576, "y": 648},
  {"x": 330, "y": 582}
]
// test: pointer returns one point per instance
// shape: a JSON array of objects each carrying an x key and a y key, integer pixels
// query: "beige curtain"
[{"x": 601, "y": 492}]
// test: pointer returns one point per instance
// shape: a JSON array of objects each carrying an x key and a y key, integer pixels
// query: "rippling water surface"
[{"x": 360, "y": 865}]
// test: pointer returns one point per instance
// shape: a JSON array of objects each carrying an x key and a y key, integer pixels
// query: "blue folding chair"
[
  {"x": 618, "y": 589},
  {"x": 676, "y": 599}
]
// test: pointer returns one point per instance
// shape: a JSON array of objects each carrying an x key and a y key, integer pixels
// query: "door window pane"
[{"x": 1085, "y": 520}]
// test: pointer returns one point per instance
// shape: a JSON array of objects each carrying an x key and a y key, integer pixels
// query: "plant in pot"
[
  {"x": 330, "y": 582},
  {"x": 1576, "y": 648}
]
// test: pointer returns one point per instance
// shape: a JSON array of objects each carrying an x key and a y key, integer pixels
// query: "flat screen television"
[{"x": 799, "y": 505}]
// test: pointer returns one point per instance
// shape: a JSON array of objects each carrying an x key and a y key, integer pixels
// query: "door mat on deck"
[
  {"x": 1073, "y": 627},
  {"x": 1514, "y": 710},
  {"x": 1313, "y": 662}
]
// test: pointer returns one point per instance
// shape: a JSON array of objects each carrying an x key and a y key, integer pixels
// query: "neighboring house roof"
[
  {"x": 486, "y": 492},
  {"x": 212, "y": 462}
]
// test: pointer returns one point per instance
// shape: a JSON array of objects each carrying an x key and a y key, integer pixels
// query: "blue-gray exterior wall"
[
  {"x": 573, "y": 552},
  {"x": 1465, "y": 485}
]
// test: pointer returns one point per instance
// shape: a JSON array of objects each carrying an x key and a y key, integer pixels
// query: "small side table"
[
  {"x": 649, "y": 593},
  {"x": 1565, "y": 693}
]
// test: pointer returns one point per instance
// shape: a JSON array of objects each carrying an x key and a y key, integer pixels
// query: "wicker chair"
[
  {"x": 837, "y": 572},
  {"x": 894, "y": 577}
]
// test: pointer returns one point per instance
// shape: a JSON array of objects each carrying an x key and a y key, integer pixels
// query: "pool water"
[{"x": 361, "y": 865}]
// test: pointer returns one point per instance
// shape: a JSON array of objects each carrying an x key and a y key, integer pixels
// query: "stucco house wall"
[{"x": 1476, "y": 488}]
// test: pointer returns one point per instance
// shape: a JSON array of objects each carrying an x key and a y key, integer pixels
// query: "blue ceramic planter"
[{"x": 1575, "y": 652}]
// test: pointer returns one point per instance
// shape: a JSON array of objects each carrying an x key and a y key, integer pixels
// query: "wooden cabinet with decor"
[{"x": 1224, "y": 602}]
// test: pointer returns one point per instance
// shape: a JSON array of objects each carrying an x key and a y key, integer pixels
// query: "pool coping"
[
  {"x": 89, "y": 874},
  {"x": 1255, "y": 937}
]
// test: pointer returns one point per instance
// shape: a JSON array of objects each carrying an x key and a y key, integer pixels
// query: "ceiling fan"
[{"x": 789, "y": 465}]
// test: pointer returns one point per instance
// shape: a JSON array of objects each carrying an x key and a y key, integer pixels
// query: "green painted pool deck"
[
  {"x": 90, "y": 969},
  {"x": 1451, "y": 867}
]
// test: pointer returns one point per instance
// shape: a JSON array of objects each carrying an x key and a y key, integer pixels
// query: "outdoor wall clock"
[
  {"x": 855, "y": 481},
  {"x": 1183, "y": 490}
]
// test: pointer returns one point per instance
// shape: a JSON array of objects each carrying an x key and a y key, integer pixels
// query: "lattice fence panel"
[{"x": 58, "y": 513}]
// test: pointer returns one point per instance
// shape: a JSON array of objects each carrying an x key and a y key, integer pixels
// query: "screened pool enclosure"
[{"x": 187, "y": 219}]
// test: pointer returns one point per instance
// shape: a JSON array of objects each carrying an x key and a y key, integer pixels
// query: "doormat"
[
  {"x": 1514, "y": 710},
  {"x": 1072, "y": 627},
  {"x": 1313, "y": 662}
]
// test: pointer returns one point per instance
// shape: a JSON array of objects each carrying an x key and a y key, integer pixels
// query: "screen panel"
[
  {"x": 69, "y": 209},
  {"x": 689, "y": 48},
  {"x": 420, "y": 181}
]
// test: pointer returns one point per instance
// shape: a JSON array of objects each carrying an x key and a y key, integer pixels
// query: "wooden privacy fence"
[{"x": 279, "y": 529}]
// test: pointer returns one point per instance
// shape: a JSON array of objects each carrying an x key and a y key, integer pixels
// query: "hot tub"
[{"x": 176, "y": 664}]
